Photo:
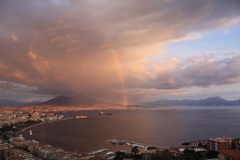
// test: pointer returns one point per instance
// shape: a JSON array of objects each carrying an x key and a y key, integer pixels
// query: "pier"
[
  {"x": 133, "y": 144},
  {"x": 97, "y": 151}
]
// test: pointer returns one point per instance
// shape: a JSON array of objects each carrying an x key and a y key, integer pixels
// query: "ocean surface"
[{"x": 166, "y": 126}]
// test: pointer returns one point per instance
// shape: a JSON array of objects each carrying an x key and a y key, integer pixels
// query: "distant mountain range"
[
  {"x": 60, "y": 101},
  {"x": 70, "y": 101},
  {"x": 210, "y": 101},
  {"x": 7, "y": 102},
  {"x": 85, "y": 100}
]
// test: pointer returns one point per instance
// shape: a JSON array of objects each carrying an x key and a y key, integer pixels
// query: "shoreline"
[
  {"x": 33, "y": 126},
  {"x": 29, "y": 137}
]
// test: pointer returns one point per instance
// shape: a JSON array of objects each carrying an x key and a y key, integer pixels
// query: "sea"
[{"x": 160, "y": 126}]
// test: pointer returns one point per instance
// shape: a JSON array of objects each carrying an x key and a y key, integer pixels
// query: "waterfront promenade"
[
  {"x": 69, "y": 118},
  {"x": 33, "y": 126},
  {"x": 133, "y": 144}
]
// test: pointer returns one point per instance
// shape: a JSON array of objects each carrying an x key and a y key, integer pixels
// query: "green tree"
[
  {"x": 185, "y": 144},
  {"x": 134, "y": 150},
  {"x": 188, "y": 151},
  {"x": 161, "y": 156}
]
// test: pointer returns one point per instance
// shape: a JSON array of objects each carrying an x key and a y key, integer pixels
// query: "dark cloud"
[
  {"x": 4, "y": 86},
  {"x": 97, "y": 47},
  {"x": 198, "y": 72}
]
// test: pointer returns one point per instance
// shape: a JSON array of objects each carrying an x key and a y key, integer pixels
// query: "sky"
[{"x": 125, "y": 52}]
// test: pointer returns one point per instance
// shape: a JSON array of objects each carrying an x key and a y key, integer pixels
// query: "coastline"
[
  {"x": 144, "y": 117},
  {"x": 33, "y": 126}
]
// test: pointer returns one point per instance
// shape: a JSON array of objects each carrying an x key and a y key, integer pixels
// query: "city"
[
  {"x": 119, "y": 79},
  {"x": 14, "y": 146}
]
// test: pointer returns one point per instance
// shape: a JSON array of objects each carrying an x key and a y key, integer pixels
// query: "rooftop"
[
  {"x": 232, "y": 153},
  {"x": 221, "y": 139}
]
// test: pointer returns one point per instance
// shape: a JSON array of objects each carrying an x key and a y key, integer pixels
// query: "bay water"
[{"x": 163, "y": 126}]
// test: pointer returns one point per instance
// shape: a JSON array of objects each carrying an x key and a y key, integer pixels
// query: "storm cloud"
[{"x": 99, "y": 47}]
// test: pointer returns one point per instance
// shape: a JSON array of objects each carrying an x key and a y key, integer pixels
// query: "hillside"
[
  {"x": 7, "y": 102},
  {"x": 68, "y": 101},
  {"x": 210, "y": 101}
]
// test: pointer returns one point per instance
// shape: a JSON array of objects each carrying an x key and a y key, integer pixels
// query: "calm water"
[{"x": 162, "y": 127}]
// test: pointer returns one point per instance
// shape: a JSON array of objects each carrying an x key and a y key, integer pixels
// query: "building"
[
  {"x": 35, "y": 115},
  {"x": 152, "y": 149},
  {"x": 175, "y": 151},
  {"x": 45, "y": 151},
  {"x": 236, "y": 143},
  {"x": 32, "y": 145},
  {"x": 198, "y": 143},
  {"x": 19, "y": 142},
  {"x": 220, "y": 143},
  {"x": 229, "y": 155},
  {"x": 60, "y": 117},
  {"x": 146, "y": 156}
]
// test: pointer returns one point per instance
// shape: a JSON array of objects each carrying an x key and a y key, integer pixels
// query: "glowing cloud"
[
  {"x": 78, "y": 47},
  {"x": 14, "y": 38}
]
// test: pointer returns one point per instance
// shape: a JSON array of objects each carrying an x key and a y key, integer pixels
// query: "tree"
[
  {"x": 134, "y": 150},
  {"x": 117, "y": 157},
  {"x": 186, "y": 144},
  {"x": 200, "y": 144},
  {"x": 161, "y": 156},
  {"x": 188, "y": 151},
  {"x": 212, "y": 154}
]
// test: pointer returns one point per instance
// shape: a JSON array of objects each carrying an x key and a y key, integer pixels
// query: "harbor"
[
  {"x": 133, "y": 144},
  {"x": 97, "y": 151}
]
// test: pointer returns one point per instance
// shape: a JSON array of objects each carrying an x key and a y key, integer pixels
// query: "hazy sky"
[{"x": 123, "y": 51}]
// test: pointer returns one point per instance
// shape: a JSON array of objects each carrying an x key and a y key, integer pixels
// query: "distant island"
[{"x": 210, "y": 101}]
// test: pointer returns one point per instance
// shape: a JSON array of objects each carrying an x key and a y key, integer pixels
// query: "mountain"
[
  {"x": 213, "y": 101},
  {"x": 210, "y": 101},
  {"x": 68, "y": 101},
  {"x": 7, "y": 102}
]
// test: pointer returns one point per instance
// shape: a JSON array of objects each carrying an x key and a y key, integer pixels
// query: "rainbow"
[
  {"x": 121, "y": 75},
  {"x": 118, "y": 65}
]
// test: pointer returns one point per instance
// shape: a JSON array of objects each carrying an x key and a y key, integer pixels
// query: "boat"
[
  {"x": 109, "y": 114},
  {"x": 121, "y": 142},
  {"x": 109, "y": 154},
  {"x": 30, "y": 132},
  {"x": 128, "y": 144},
  {"x": 114, "y": 141},
  {"x": 81, "y": 117}
]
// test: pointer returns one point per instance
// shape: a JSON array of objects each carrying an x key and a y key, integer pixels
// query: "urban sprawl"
[{"x": 13, "y": 146}]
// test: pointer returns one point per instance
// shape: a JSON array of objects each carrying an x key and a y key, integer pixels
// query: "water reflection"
[{"x": 161, "y": 127}]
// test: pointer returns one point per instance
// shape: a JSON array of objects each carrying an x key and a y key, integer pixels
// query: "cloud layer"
[
  {"x": 198, "y": 72},
  {"x": 99, "y": 47}
]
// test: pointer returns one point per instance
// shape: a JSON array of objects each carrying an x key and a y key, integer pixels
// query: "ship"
[
  {"x": 102, "y": 113},
  {"x": 81, "y": 117}
]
